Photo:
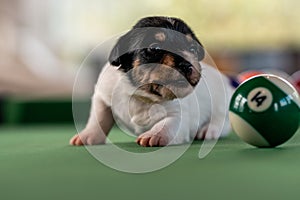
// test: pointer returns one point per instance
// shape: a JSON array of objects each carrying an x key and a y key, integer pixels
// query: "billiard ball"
[
  {"x": 265, "y": 111},
  {"x": 248, "y": 74},
  {"x": 295, "y": 79},
  {"x": 277, "y": 72}
]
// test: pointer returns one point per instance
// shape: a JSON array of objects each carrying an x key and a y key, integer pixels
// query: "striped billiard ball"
[{"x": 265, "y": 111}]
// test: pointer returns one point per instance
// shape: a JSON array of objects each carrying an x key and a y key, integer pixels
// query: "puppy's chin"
[{"x": 156, "y": 93}]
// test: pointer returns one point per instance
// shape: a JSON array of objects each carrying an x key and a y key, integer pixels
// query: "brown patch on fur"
[
  {"x": 160, "y": 36},
  {"x": 189, "y": 38},
  {"x": 168, "y": 60},
  {"x": 136, "y": 63},
  {"x": 167, "y": 94}
]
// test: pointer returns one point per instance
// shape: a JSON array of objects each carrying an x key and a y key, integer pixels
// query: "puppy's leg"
[
  {"x": 219, "y": 92},
  {"x": 162, "y": 134},
  {"x": 98, "y": 126},
  {"x": 213, "y": 130},
  {"x": 219, "y": 126},
  {"x": 157, "y": 136}
]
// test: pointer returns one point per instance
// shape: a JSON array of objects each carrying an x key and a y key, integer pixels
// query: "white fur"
[{"x": 202, "y": 114}]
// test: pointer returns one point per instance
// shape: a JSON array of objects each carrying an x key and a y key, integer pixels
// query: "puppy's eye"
[
  {"x": 154, "y": 46},
  {"x": 193, "y": 49}
]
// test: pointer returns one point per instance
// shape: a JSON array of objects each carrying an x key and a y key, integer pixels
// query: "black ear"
[{"x": 122, "y": 55}]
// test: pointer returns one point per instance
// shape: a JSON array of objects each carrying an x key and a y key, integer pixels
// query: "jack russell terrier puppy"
[{"x": 156, "y": 86}]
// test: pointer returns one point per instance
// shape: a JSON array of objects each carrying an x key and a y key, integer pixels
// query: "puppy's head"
[{"x": 160, "y": 55}]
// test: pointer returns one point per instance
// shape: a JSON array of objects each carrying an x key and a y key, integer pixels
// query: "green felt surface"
[{"x": 36, "y": 162}]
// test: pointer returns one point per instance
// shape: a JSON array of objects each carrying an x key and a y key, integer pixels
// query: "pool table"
[{"x": 36, "y": 162}]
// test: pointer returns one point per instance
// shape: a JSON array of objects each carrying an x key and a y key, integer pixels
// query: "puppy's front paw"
[
  {"x": 87, "y": 138},
  {"x": 208, "y": 132},
  {"x": 153, "y": 139}
]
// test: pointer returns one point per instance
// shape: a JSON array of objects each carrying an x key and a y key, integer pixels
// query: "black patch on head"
[
  {"x": 121, "y": 55},
  {"x": 131, "y": 46},
  {"x": 171, "y": 23}
]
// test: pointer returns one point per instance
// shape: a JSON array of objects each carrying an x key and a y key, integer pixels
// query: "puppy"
[{"x": 156, "y": 87}]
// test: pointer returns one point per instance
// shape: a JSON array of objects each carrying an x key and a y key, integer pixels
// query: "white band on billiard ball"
[{"x": 246, "y": 132}]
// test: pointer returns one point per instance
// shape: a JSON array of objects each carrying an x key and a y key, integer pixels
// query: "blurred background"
[{"x": 43, "y": 43}]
